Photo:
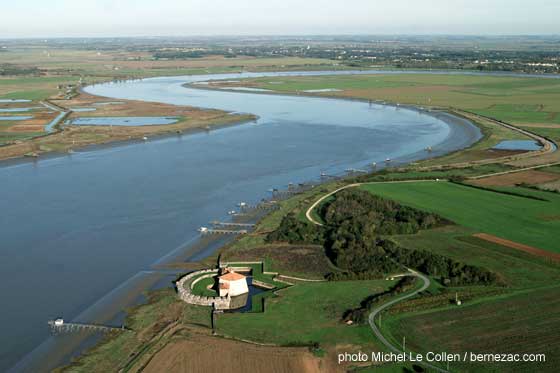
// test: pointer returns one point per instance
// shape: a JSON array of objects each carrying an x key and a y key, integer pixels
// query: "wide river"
[{"x": 75, "y": 228}]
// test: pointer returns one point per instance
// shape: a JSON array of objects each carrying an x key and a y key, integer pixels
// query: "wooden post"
[{"x": 212, "y": 320}]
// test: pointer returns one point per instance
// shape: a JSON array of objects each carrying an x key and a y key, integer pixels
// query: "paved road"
[{"x": 378, "y": 310}]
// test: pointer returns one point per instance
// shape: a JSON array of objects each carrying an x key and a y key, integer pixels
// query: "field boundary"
[{"x": 518, "y": 246}]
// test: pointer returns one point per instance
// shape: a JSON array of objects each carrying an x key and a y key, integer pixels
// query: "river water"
[{"x": 85, "y": 229}]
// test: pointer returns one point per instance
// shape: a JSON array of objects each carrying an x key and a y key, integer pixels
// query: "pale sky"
[{"x": 50, "y": 18}]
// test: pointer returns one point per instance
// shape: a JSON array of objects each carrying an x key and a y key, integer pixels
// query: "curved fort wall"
[{"x": 184, "y": 289}]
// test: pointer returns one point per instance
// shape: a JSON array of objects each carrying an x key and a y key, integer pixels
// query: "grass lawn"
[
  {"x": 515, "y": 218},
  {"x": 307, "y": 313},
  {"x": 201, "y": 288}
]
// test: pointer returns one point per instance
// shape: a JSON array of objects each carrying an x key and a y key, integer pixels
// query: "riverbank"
[
  {"x": 506, "y": 99},
  {"x": 68, "y": 138}
]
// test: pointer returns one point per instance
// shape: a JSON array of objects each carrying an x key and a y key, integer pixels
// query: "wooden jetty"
[
  {"x": 205, "y": 230},
  {"x": 356, "y": 171},
  {"x": 59, "y": 326},
  {"x": 231, "y": 224},
  {"x": 261, "y": 206}
]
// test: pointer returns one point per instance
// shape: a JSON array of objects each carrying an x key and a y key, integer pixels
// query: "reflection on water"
[
  {"x": 19, "y": 117},
  {"x": 123, "y": 121},
  {"x": 518, "y": 145},
  {"x": 244, "y": 302}
]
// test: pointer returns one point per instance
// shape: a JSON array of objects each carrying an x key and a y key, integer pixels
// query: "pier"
[
  {"x": 227, "y": 224},
  {"x": 356, "y": 171},
  {"x": 59, "y": 326},
  {"x": 261, "y": 206},
  {"x": 205, "y": 230}
]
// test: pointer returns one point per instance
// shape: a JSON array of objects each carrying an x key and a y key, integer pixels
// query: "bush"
[{"x": 293, "y": 230}]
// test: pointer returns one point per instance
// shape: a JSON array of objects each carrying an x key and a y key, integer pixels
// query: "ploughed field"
[{"x": 517, "y": 218}]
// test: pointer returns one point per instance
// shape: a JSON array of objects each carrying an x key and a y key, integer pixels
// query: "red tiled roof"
[{"x": 232, "y": 276}]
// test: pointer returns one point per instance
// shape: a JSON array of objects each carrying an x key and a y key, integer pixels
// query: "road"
[
  {"x": 549, "y": 146},
  {"x": 378, "y": 310},
  {"x": 308, "y": 213}
]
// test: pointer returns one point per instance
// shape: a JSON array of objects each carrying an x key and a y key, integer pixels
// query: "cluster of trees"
[
  {"x": 447, "y": 270},
  {"x": 356, "y": 219},
  {"x": 179, "y": 55},
  {"x": 294, "y": 230},
  {"x": 7, "y": 69},
  {"x": 360, "y": 315},
  {"x": 354, "y": 238},
  {"x": 380, "y": 215}
]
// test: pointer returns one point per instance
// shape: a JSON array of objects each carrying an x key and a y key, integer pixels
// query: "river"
[{"x": 87, "y": 228}]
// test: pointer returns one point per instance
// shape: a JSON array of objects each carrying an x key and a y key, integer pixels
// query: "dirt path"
[
  {"x": 549, "y": 147},
  {"x": 513, "y": 171},
  {"x": 309, "y": 212},
  {"x": 519, "y": 246}
]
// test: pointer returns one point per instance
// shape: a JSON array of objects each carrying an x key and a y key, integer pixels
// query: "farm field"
[
  {"x": 512, "y": 217},
  {"x": 197, "y": 353},
  {"x": 511, "y": 99},
  {"x": 515, "y": 268},
  {"x": 305, "y": 314},
  {"x": 527, "y": 322},
  {"x": 121, "y": 63},
  {"x": 551, "y": 133},
  {"x": 526, "y": 177}
]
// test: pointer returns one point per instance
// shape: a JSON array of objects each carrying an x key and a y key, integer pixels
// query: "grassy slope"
[{"x": 515, "y": 218}]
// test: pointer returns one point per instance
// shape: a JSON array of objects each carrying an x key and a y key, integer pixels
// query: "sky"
[{"x": 80, "y": 18}]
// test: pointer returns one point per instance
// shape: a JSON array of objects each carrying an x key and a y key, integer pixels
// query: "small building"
[
  {"x": 58, "y": 322},
  {"x": 231, "y": 283}
]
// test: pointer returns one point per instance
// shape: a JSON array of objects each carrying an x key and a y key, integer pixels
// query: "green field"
[
  {"x": 516, "y": 268},
  {"x": 551, "y": 133},
  {"x": 512, "y": 99},
  {"x": 306, "y": 313},
  {"x": 515, "y": 218},
  {"x": 527, "y": 322}
]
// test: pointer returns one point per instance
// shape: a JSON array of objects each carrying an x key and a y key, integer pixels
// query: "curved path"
[
  {"x": 548, "y": 146},
  {"x": 309, "y": 212},
  {"x": 378, "y": 310}
]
